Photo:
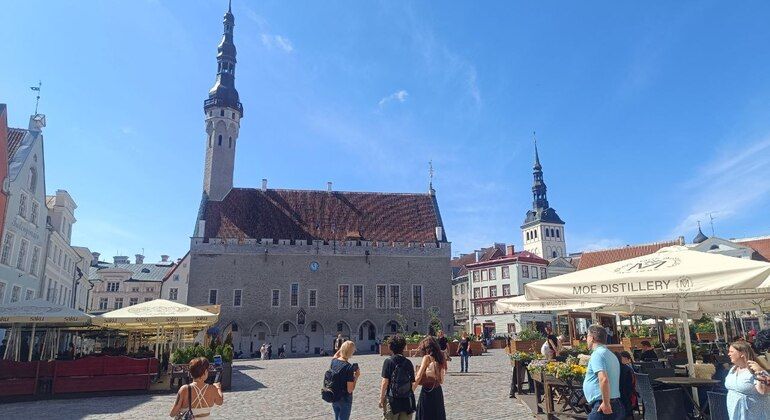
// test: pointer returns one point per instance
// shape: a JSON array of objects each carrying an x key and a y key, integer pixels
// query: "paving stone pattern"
[{"x": 290, "y": 389}]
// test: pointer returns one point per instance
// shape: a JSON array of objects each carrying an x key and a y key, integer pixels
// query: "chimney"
[
  {"x": 509, "y": 250},
  {"x": 439, "y": 233},
  {"x": 264, "y": 184},
  {"x": 478, "y": 253},
  {"x": 95, "y": 259},
  {"x": 120, "y": 259},
  {"x": 139, "y": 258},
  {"x": 164, "y": 258},
  {"x": 329, "y": 186}
]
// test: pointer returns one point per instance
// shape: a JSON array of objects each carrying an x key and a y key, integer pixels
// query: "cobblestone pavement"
[{"x": 290, "y": 389}]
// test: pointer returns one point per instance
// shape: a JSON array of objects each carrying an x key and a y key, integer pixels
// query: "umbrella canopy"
[
  {"x": 41, "y": 312},
  {"x": 672, "y": 272},
  {"x": 522, "y": 304},
  {"x": 156, "y": 313}
]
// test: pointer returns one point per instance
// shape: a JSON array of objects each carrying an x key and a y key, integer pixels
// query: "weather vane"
[
  {"x": 37, "y": 89},
  {"x": 430, "y": 174}
]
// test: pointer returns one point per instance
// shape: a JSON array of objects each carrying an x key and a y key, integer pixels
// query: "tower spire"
[
  {"x": 539, "y": 190},
  {"x": 537, "y": 157},
  {"x": 223, "y": 93},
  {"x": 430, "y": 178}
]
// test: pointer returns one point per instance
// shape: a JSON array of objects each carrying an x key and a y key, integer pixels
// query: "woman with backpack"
[
  {"x": 344, "y": 375},
  {"x": 430, "y": 375},
  {"x": 396, "y": 387}
]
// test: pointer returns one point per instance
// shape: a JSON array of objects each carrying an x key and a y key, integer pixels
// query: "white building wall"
[{"x": 175, "y": 285}]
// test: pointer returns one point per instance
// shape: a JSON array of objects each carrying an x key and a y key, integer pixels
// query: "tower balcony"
[{"x": 222, "y": 102}]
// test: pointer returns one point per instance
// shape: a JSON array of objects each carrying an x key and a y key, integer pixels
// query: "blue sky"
[{"x": 648, "y": 116}]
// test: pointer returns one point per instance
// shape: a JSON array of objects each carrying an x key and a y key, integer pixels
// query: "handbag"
[{"x": 187, "y": 415}]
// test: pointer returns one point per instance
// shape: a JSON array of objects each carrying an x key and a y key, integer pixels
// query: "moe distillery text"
[{"x": 632, "y": 287}]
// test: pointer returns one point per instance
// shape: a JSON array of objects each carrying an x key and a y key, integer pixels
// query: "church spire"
[
  {"x": 223, "y": 93},
  {"x": 539, "y": 196}
]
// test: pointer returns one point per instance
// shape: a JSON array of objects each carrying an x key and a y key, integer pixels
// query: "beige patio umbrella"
[
  {"x": 673, "y": 274},
  {"x": 36, "y": 312},
  {"x": 156, "y": 316}
]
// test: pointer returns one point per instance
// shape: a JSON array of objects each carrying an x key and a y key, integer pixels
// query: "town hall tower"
[{"x": 543, "y": 230}]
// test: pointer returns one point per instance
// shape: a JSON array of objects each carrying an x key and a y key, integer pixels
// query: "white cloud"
[
  {"x": 277, "y": 41},
  {"x": 399, "y": 96},
  {"x": 730, "y": 184}
]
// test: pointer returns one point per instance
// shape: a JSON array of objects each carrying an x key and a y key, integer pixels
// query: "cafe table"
[{"x": 686, "y": 382}]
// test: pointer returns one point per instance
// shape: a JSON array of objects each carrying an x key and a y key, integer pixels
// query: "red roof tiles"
[
  {"x": 761, "y": 246},
  {"x": 247, "y": 213},
  {"x": 15, "y": 136},
  {"x": 595, "y": 258}
]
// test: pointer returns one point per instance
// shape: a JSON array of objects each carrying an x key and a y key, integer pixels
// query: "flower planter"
[
  {"x": 530, "y": 346},
  {"x": 706, "y": 336},
  {"x": 475, "y": 347}
]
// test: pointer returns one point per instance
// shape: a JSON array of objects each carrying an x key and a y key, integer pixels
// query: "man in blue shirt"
[{"x": 601, "y": 385}]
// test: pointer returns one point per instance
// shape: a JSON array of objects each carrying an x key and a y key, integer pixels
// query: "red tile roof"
[
  {"x": 15, "y": 136},
  {"x": 524, "y": 256},
  {"x": 247, "y": 213},
  {"x": 595, "y": 258},
  {"x": 760, "y": 245}
]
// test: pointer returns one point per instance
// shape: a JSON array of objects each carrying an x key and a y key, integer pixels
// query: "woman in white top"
[
  {"x": 747, "y": 385},
  {"x": 198, "y": 396}
]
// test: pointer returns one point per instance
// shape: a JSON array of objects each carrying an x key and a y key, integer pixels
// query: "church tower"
[
  {"x": 223, "y": 111},
  {"x": 543, "y": 230}
]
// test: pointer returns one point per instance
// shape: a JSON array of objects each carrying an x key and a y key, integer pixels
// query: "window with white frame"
[
  {"x": 382, "y": 299},
  {"x": 133, "y": 301},
  {"x": 118, "y": 303},
  {"x": 237, "y": 293},
  {"x": 113, "y": 286},
  {"x": 395, "y": 296},
  {"x": 417, "y": 296},
  {"x": 15, "y": 294},
  {"x": 543, "y": 272},
  {"x": 483, "y": 275},
  {"x": 492, "y": 291},
  {"x": 21, "y": 261},
  {"x": 173, "y": 293},
  {"x": 493, "y": 274},
  {"x": 213, "y": 296},
  {"x": 294, "y": 296},
  {"x": 275, "y": 300},
  {"x": 35, "y": 208},
  {"x": 506, "y": 272},
  {"x": 102, "y": 304},
  {"x": 525, "y": 271},
  {"x": 476, "y": 292},
  {"x": 506, "y": 290},
  {"x": 176, "y": 277},
  {"x": 358, "y": 296},
  {"x": 534, "y": 272},
  {"x": 23, "y": 205},
  {"x": 312, "y": 298},
  {"x": 485, "y": 291},
  {"x": 5, "y": 256},
  {"x": 30, "y": 294},
  {"x": 2, "y": 291},
  {"x": 343, "y": 296}
]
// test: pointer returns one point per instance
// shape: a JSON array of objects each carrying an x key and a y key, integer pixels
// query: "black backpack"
[
  {"x": 332, "y": 389},
  {"x": 400, "y": 380}
]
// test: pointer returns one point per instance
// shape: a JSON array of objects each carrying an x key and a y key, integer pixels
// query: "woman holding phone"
[{"x": 350, "y": 373}]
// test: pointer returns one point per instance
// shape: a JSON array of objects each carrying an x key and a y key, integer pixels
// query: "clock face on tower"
[{"x": 314, "y": 266}]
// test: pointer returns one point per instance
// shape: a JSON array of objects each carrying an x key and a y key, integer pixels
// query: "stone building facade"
[
  {"x": 125, "y": 284},
  {"x": 59, "y": 282},
  {"x": 298, "y": 267}
]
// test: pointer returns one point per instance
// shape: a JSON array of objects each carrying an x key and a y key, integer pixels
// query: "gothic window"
[
  {"x": 233, "y": 115},
  {"x": 301, "y": 317},
  {"x": 554, "y": 254},
  {"x": 547, "y": 233},
  {"x": 211, "y": 137},
  {"x": 536, "y": 234},
  {"x": 230, "y": 142},
  {"x": 221, "y": 112},
  {"x": 343, "y": 296},
  {"x": 220, "y": 140},
  {"x": 557, "y": 233},
  {"x": 358, "y": 296},
  {"x": 395, "y": 296},
  {"x": 381, "y": 299}
]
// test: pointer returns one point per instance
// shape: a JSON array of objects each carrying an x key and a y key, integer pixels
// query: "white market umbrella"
[
  {"x": 521, "y": 303},
  {"x": 674, "y": 273},
  {"x": 41, "y": 312},
  {"x": 156, "y": 313}
]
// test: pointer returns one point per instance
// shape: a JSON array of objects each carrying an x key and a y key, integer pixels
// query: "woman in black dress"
[{"x": 430, "y": 375}]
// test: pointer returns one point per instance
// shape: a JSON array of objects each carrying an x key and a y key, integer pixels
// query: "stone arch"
[
  {"x": 391, "y": 327},
  {"x": 316, "y": 339},
  {"x": 366, "y": 336},
  {"x": 285, "y": 333},
  {"x": 259, "y": 333},
  {"x": 346, "y": 331}
]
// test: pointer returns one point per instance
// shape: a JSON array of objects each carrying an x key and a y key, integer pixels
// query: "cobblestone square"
[{"x": 290, "y": 389}]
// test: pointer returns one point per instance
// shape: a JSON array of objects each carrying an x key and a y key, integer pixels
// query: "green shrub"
[{"x": 528, "y": 334}]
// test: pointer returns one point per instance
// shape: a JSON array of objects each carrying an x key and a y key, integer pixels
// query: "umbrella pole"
[
  {"x": 31, "y": 343},
  {"x": 724, "y": 328},
  {"x": 716, "y": 329},
  {"x": 760, "y": 317},
  {"x": 688, "y": 347},
  {"x": 677, "y": 325}
]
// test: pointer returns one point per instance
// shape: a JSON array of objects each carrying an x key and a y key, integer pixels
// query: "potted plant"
[
  {"x": 705, "y": 331},
  {"x": 633, "y": 340},
  {"x": 181, "y": 357},
  {"x": 528, "y": 340}
]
